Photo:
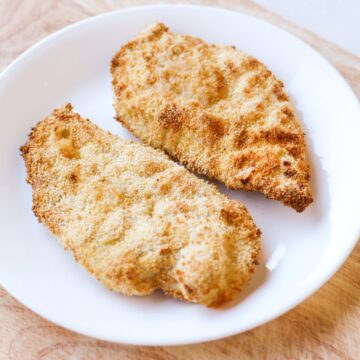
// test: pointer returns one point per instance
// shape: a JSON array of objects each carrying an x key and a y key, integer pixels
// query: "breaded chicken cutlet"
[
  {"x": 136, "y": 220},
  {"x": 217, "y": 110}
]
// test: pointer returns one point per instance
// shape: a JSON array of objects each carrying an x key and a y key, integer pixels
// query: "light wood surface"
[{"x": 325, "y": 326}]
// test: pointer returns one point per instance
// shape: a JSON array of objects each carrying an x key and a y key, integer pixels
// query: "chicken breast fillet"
[
  {"x": 217, "y": 110},
  {"x": 133, "y": 218}
]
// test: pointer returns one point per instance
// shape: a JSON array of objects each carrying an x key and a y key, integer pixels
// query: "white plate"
[{"x": 301, "y": 251}]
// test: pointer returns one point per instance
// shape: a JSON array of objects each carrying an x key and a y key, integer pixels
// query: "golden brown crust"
[
  {"x": 217, "y": 110},
  {"x": 133, "y": 218}
]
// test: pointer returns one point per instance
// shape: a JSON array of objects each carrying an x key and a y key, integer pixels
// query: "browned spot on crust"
[
  {"x": 67, "y": 149},
  {"x": 286, "y": 115},
  {"x": 297, "y": 200},
  {"x": 177, "y": 49},
  {"x": 290, "y": 173},
  {"x": 260, "y": 107},
  {"x": 246, "y": 180},
  {"x": 119, "y": 87},
  {"x": 212, "y": 84},
  {"x": 62, "y": 132},
  {"x": 295, "y": 151},
  {"x": 165, "y": 188},
  {"x": 250, "y": 64},
  {"x": 276, "y": 135},
  {"x": 114, "y": 63},
  {"x": 120, "y": 119},
  {"x": 166, "y": 74},
  {"x": 233, "y": 69},
  {"x": 65, "y": 142},
  {"x": 150, "y": 168},
  {"x": 151, "y": 79},
  {"x": 240, "y": 161},
  {"x": 250, "y": 118},
  {"x": 157, "y": 31},
  {"x": 192, "y": 41},
  {"x": 129, "y": 46},
  {"x": 171, "y": 117},
  {"x": 188, "y": 189},
  {"x": 286, "y": 110},
  {"x": 256, "y": 82},
  {"x": 230, "y": 214},
  {"x": 214, "y": 125},
  {"x": 183, "y": 207},
  {"x": 73, "y": 177},
  {"x": 251, "y": 84},
  {"x": 240, "y": 138},
  {"x": 278, "y": 90},
  {"x": 165, "y": 251},
  {"x": 93, "y": 169}
]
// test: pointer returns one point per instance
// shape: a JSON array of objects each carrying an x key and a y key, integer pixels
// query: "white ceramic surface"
[
  {"x": 300, "y": 251},
  {"x": 334, "y": 20}
]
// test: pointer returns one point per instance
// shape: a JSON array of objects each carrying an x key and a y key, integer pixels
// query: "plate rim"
[{"x": 320, "y": 279}]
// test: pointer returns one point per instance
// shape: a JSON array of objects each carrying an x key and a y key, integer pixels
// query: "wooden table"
[{"x": 326, "y": 326}]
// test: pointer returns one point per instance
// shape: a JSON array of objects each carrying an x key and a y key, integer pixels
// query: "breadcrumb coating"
[
  {"x": 136, "y": 220},
  {"x": 217, "y": 110}
]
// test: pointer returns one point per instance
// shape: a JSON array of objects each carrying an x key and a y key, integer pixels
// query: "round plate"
[{"x": 300, "y": 251}]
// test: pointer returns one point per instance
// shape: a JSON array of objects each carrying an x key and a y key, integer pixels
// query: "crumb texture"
[
  {"x": 136, "y": 220},
  {"x": 217, "y": 110}
]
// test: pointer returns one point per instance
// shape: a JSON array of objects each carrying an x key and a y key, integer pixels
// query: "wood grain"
[{"x": 326, "y": 326}]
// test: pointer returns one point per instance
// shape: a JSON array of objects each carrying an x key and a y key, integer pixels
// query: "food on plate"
[
  {"x": 136, "y": 220},
  {"x": 217, "y": 110}
]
